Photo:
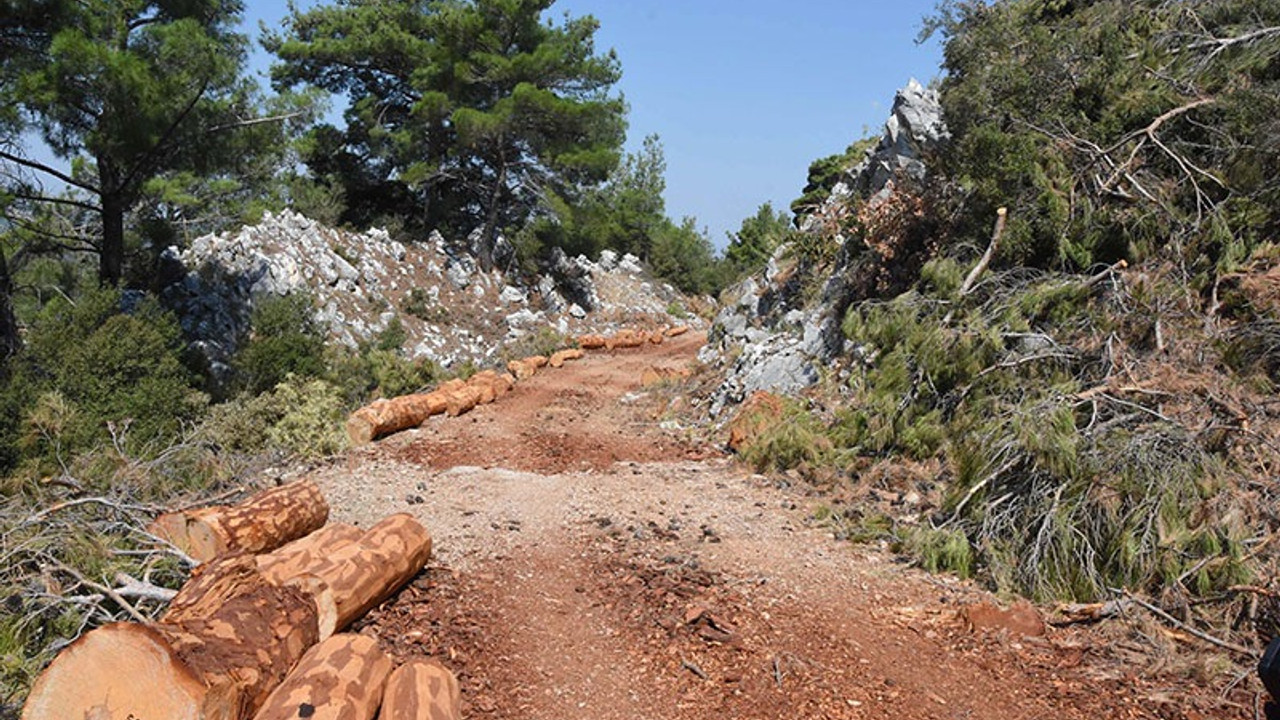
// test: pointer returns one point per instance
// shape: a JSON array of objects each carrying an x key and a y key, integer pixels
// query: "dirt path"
[{"x": 590, "y": 564}]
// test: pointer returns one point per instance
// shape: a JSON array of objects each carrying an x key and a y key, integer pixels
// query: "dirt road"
[{"x": 592, "y": 564}]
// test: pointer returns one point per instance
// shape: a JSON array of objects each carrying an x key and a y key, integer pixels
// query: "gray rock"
[
  {"x": 630, "y": 264},
  {"x": 513, "y": 296},
  {"x": 608, "y": 260}
]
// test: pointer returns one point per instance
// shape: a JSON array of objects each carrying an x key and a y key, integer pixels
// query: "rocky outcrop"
[
  {"x": 769, "y": 337},
  {"x": 450, "y": 310}
]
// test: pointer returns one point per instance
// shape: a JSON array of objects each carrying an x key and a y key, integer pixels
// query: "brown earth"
[{"x": 594, "y": 560}]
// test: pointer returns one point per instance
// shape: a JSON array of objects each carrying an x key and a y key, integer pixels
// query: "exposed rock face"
[
  {"x": 450, "y": 310},
  {"x": 769, "y": 339}
]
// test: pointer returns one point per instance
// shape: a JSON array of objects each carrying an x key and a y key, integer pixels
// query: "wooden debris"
[
  {"x": 591, "y": 342},
  {"x": 558, "y": 359},
  {"x": 421, "y": 690},
  {"x": 342, "y": 678},
  {"x": 677, "y": 331},
  {"x": 263, "y": 522}
]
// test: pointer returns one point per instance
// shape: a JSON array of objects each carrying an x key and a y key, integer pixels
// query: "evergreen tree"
[
  {"x": 475, "y": 112},
  {"x": 123, "y": 91},
  {"x": 750, "y": 248}
]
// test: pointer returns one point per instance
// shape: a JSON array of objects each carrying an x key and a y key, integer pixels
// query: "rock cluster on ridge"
[
  {"x": 450, "y": 310},
  {"x": 767, "y": 337}
]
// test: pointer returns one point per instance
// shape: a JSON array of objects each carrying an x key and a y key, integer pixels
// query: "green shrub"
[
  {"x": 284, "y": 340},
  {"x": 313, "y": 421},
  {"x": 795, "y": 439},
  {"x": 543, "y": 341},
  {"x": 122, "y": 373},
  {"x": 940, "y": 550},
  {"x": 418, "y": 303},
  {"x": 300, "y": 416}
]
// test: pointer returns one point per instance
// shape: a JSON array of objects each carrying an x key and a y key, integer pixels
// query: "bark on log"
[
  {"x": 558, "y": 359},
  {"x": 217, "y": 654},
  {"x": 263, "y": 522},
  {"x": 332, "y": 541},
  {"x": 591, "y": 342},
  {"x": 363, "y": 575},
  {"x": 384, "y": 417},
  {"x": 342, "y": 678},
  {"x": 421, "y": 690},
  {"x": 624, "y": 339},
  {"x": 677, "y": 331},
  {"x": 461, "y": 401},
  {"x": 521, "y": 369}
]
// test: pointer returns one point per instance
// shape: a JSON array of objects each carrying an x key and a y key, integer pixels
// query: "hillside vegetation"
[{"x": 1060, "y": 357}]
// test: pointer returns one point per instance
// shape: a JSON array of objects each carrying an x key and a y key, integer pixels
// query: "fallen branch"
[
  {"x": 1224, "y": 644},
  {"x": 972, "y": 278}
]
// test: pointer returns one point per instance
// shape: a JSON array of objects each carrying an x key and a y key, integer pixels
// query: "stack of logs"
[
  {"x": 256, "y": 631},
  {"x": 455, "y": 397}
]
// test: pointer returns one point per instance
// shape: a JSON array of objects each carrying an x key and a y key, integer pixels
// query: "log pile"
[
  {"x": 457, "y": 397},
  {"x": 253, "y": 635}
]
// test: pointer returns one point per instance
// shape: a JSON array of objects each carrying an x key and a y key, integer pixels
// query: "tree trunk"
[
  {"x": 264, "y": 522},
  {"x": 10, "y": 340},
  {"x": 225, "y": 644},
  {"x": 111, "y": 255},
  {"x": 421, "y": 690},
  {"x": 342, "y": 678},
  {"x": 489, "y": 238}
]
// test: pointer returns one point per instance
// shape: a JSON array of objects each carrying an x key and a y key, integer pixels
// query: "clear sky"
[{"x": 746, "y": 93}]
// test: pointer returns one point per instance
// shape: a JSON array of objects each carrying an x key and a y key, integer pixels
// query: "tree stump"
[
  {"x": 264, "y": 522},
  {"x": 421, "y": 690},
  {"x": 342, "y": 678}
]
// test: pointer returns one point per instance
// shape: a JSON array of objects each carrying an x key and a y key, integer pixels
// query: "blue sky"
[{"x": 746, "y": 94}]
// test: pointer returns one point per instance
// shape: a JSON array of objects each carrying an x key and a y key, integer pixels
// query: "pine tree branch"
[{"x": 47, "y": 170}]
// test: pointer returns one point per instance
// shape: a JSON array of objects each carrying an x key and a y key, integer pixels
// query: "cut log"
[
  {"x": 538, "y": 361},
  {"x": 521, "y": 369},
  {"x": 558, "y": 359},
  {"x": 461, "y": 401},
  {"x": 486, "y": 385},
  {"x": 591, "y": 342},
  {"x": 264, "y": 522},
  {"x": 677, "y": 331},
  {"x": 624, "y": 339},
  {"x": 384, "y": 417},
  {"x": 421, "y": 690},
  {"x": 362, "y": 576},
  {"x": 334, "y": 540},
  {"x": 657, "y": 337},
  {"x": 214, "y": 656},
  {"x": 342, "y": 678}
]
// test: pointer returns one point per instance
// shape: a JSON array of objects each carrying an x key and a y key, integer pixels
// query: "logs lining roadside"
[
  {"x": 457, "y": 397},
  {"x": 235, "y": 629}
]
